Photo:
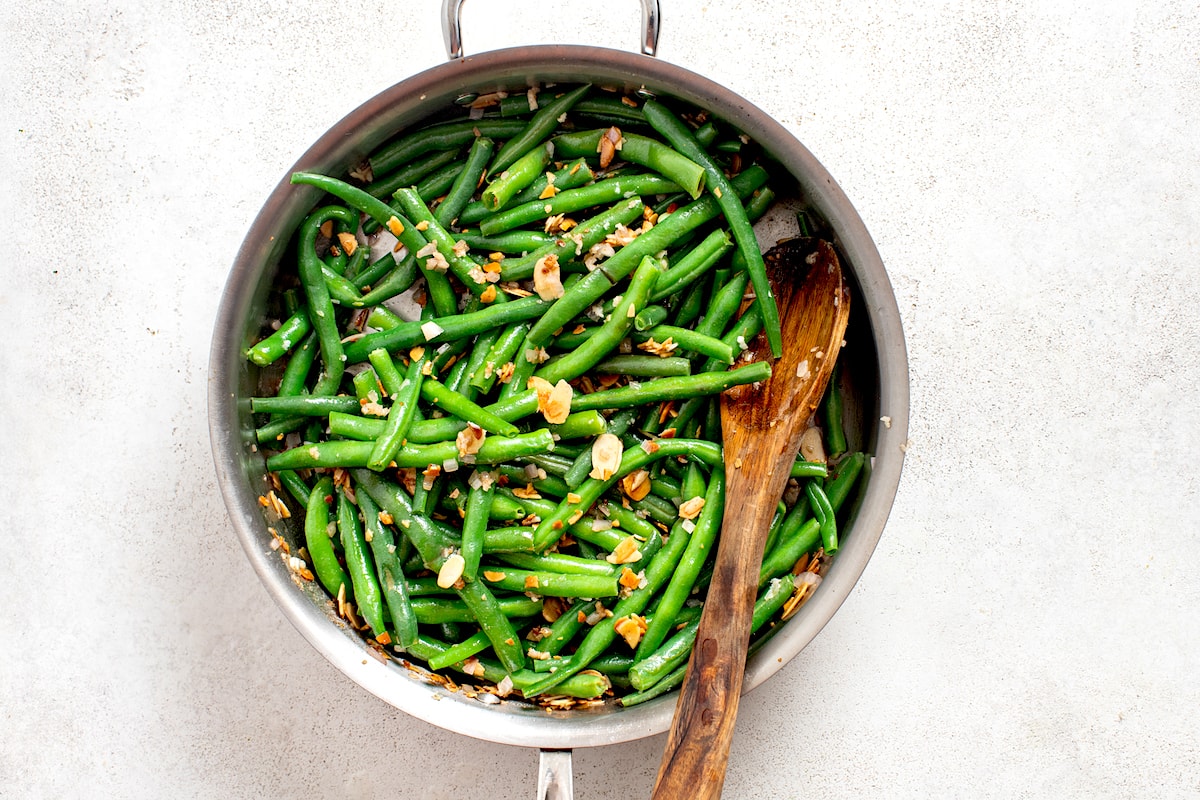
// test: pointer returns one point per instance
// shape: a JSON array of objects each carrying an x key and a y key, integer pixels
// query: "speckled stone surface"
[{"x": 1029, "y": 625}]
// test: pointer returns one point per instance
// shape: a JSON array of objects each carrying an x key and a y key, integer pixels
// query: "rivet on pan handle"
[{"x": 452, "y": 27}]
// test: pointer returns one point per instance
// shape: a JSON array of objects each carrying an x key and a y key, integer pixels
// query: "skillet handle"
[
  {"x": 555, "y": 781},
  {"x": 452, "y": 27}
]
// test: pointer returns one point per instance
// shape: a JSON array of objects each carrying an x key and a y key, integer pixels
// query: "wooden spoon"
[{"x": 762, "y": 425}]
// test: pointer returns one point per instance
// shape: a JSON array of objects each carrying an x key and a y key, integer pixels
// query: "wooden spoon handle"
[{"x": 697, "y": 750}]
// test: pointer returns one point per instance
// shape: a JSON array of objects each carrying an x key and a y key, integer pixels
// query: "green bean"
[
  {"x": 493, "y": 617},
  {"x": 295, "y": 374},
  {"x": 606, "y": 191},
  {"x": 418, "y": 528},
  {"x": 320, "y": 306},
  {"x": 354, "y": 197},
  {"x": 538, "y": 128},
  {"x": 501, "y": 351},
  {"x": 559, "y": 562},
  {"x": 386, "y": 371},
  {"x": 295, "y": 486},
  {"x": 578, "y": 425},
  {"x": 688, "y": 340},
  {"x": 463, "y": 267},
  {"x": 611, "y": 332},
  {"x": 411, "y": 174},
  {"x": 383, "y": 318},
  {"x": 837, "y": 487},
  {"x": 694, "y": 264},
  {"x": 443, "y": 136},
  {"x": 649, "y": 153},
  {"x": 724, "y": 306},
  {"x": 365, "y": 278},
  {"x": 472, "y": 645},
  {"x": 446, "y": 329},
  {"x": 388, "y": 566},
  {"x": 572, "y": 175},
  {"x": 400, "y": 417},
  {"x": 304, "y": 405},
  {"x": 453, "y": 403},
  {"x": 520, "y": 174},
  {"x": 650, "y": 316},
  {"x": 269, "y": 350},
  {"x": 660, "y": 389},
  {"x": 645, "y": 366},
  {"x": 436, "y": 610},
  {"x": 823, "y": 511},
  {"x": 788, "y": 550},
  {"x": 366, "y": 387},
  {"x": 465, "y": 182},
  {"x": 319, "y": 542},
  {"x": 551, "y": 584},
  {"x": 831, "y": 415},
  {"x": 397, "y": 281},
  {"x": 518, "y": 241},
  {"x": 677, "y": 133},
  {"x": 360, "y": 564},
  {"x": 494, "y": 449},
  {"x": 809, "y": 469},
  {"x": 699, "y": 547}
]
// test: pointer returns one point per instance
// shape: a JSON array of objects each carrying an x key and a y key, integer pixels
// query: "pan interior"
[{"x": 875, "y": 376}]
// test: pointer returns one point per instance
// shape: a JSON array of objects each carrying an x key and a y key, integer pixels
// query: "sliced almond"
[
  {"x": 636, "y": 484},
  {"x": 547, "y": 280},
  {"x": 451, "y": 570},
  {"x": 348, "y": 242},
  {"x": 607, "y": 450},
  {"x": 690, "y": 509},
  {"x": 554, "y": 401},
  {"x": 811, "y": 446},
  {"x": 470, "y": 439},
  {"x": 626, "y": 552},
  {"x": 631, "y": 629}
]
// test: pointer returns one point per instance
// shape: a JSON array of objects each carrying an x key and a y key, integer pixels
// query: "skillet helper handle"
[
  {"x": 452, "y": 27},
  {"x": 555, "y": 781}
]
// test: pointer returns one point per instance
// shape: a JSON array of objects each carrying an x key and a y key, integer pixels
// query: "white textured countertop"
[{"x": 1029, "y": 624}]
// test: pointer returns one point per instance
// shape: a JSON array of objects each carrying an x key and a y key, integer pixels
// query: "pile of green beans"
[{"x": 520, "y": 480}]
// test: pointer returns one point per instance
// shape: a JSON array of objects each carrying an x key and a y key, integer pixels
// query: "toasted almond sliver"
[
  {"x": 811, "y": 446},
  {"x": 691, "y": 508},
  {"x": 636, "y": 484},
  {"x": 631, "y": 629},
  {"x": 626, "y": 552},
  {"x": 629, "y": 578},
  {"x": 493, "y": 575},
  {"x": 451, "y": 571},
  {"x": 607, "y": 450},
  {"x": 547, "y": 280},
  {"x": 348, "y": 242},
  {"x": 554, "y": 401}
]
